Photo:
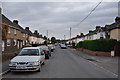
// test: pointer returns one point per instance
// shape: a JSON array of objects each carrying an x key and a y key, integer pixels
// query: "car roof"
[{"x": 31, "y": 48}]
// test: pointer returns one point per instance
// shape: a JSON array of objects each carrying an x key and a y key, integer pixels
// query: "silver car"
[{"x": 29, "y": 59}]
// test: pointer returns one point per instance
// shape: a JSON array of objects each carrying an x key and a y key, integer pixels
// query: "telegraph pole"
[
  {"x": 64, "y": 37},
  {"x": 47, "y": 33},
  {"x": 70, "y": 35},
  {"x": 70, "y": 32}
]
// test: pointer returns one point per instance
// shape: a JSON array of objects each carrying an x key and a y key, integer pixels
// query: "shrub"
[{"x": 98, "y": 45}]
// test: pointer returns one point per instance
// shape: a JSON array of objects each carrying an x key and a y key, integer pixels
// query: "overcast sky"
[{"x": 58, "y": 17}]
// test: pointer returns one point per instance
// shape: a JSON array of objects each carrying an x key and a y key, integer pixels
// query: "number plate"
[{"x": 20, "y": 67}]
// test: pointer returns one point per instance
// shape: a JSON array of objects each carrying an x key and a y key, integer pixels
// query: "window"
[
  {"x": 26, "y": 35},
  {"x": 15, "y": 42},
  {"x": 14, "y": 31},
  {"x": 8, "y": 29},
  {"x": 8, "y": 42},
  {"x": 23, "y": 35}
]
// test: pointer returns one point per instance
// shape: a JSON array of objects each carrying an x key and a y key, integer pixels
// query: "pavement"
[
  {"x": 107, "y": 62},
  {"x": 69, "y": 63}
]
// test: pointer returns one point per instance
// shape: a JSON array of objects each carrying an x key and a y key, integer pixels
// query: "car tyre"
[{"x": 47, "y": 57}]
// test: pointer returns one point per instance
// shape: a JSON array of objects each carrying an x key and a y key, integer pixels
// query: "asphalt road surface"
[{"x": 64, "y": 63}]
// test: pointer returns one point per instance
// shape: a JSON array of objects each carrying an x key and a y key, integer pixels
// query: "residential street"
[{"x": 64, "y": 63}]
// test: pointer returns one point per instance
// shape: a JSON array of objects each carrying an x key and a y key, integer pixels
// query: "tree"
[{"x": 53, "y": 40}]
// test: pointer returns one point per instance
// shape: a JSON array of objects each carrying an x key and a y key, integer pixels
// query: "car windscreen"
[{"x": 29, "y": 52}]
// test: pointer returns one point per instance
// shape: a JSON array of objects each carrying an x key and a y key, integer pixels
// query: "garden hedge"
[{"x": 98, "y": 45}]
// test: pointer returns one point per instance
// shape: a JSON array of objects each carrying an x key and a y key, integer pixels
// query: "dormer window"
[{"x": 8, "y": 29}]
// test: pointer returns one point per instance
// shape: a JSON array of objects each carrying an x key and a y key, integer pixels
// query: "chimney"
[
  {"x": 117, "y": 19},
  {"x": 90, "y": 31},
  {"x": 77, "y": 35},
  {"x": 81, "y": 34},
  {"x": 27, "y": 28},
  {"x": 97, "y": 27},
  {"x": 15, "y": 21}
]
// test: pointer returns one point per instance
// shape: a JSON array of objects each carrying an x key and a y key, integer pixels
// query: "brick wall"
[
  {"x": 98, "y": 53},
  {"x": 12, "y": 36}
]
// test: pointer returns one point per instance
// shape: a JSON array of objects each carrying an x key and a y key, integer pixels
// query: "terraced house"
[
  {"x": 13, "y": 35},
  {"x": 111, "y": 31}
]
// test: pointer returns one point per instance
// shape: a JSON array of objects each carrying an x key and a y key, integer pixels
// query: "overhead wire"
[{"x": 88, "y": 14}]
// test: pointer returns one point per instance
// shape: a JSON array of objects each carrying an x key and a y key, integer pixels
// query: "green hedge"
[{"x": 98, "y": 45}]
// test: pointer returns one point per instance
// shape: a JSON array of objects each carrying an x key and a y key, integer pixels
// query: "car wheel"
[
  {"x": 47, "y": 57},
  {"x": 39, "y": 70},
  {"x": 49, "y": 54}
]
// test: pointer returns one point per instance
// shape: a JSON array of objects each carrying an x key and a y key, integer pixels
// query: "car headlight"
[
  {"x": 13, "y": 63},
  {"x": 33, "y": 63}
]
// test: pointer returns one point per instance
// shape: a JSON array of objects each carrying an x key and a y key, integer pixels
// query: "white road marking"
[
  {"x": 103, "y": 68},
  {"x": 4, "y": 72}
]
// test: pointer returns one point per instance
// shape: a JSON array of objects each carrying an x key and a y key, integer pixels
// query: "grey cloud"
[{"x": 57, "y": 17}]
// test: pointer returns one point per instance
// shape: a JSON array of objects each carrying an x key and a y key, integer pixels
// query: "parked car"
[
  {"x": 46, "y": 51},
  {"x": 52, "y": 47},
  {"x": 63, "y": 46},
  {"x": 29, "y": 59}
]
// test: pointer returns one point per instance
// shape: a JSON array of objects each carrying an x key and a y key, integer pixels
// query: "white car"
[{"x": 29, "y": 59}]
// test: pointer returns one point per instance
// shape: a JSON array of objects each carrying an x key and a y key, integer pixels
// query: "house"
[
  {"x": 13, "y": 35},
  {"x": 39, "y": 39},
  {"x": 31, "y": 37},
  {"x": 114, "y": 29}
]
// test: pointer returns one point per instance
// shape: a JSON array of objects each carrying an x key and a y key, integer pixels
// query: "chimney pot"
[
  {"x": 15, "y": 21},
  {"x": 117, "y": 19},
  {"x": 90, "y": 31},
  {"x": 27, "y": 28}
]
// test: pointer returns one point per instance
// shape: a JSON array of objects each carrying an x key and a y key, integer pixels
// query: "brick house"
[{"x": 13, "y": 35}]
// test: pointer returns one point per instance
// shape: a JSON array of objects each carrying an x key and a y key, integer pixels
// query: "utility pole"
[
  {"x": 64, "y": 37},
  {"x": 47, "y": 33},
  {"x": 70, "y": 35}
]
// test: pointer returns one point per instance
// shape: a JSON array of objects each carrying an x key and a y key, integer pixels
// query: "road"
[{"x": 64, "y": 63}]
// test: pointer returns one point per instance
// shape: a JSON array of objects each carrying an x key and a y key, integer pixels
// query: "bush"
[{"x": 98, "y": 45}]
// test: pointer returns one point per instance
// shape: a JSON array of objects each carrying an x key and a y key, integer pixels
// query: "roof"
[
  {"x": 29, "y": 32},
  {"x": 113, "y": 26},
  {"x": 5, "y": 20},
  {"x": 31, "y": 48}
]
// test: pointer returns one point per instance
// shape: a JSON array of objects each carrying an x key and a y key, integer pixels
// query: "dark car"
[
  {"x": 51, "y": 47},
  {"x": 46, "y": 51}
]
